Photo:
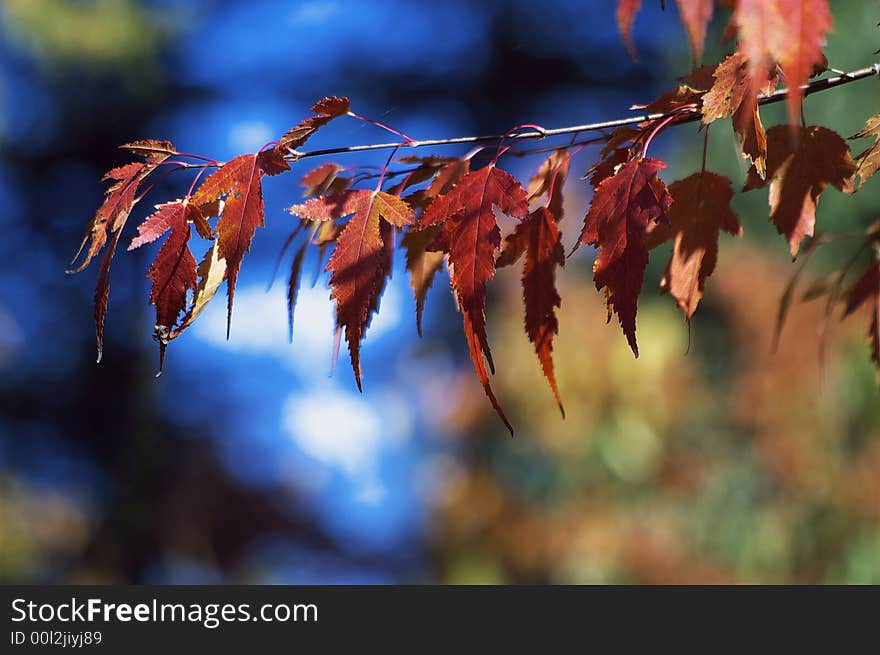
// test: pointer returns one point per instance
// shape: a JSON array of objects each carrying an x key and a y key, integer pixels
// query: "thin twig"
[{"x": 776, "y": 96}]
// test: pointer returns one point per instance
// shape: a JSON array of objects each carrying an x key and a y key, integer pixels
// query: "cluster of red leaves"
[{"x": 449, "y": 213}]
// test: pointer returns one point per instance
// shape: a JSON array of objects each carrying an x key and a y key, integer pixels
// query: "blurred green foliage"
[{"x": 101, "y": 33}]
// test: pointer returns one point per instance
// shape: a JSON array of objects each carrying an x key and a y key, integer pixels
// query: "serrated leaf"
[
  {"x": 422, "y": 265},
  {"x": 212, "y": 272},
  {"x": 700, "y": 209},
  {"x": 790, "y": 33},
  {"x": 173, "y": 272},
  {"x": 239, "y": 182},
  {"x": 324, "y": 111},
  {"x": 798, "y": 171},
  {"x": 733, "y": 94},
  {"x": 623, "y": 207},
  {"x": 361, "y": 263},
  {"x": 541, "y": 241},
  {"x": 471, "y": 238}
]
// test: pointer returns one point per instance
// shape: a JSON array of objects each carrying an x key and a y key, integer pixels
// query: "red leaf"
[
  {"x": 239, "y": 181},
  {"x": 790, "y": 33},
  {"x": 325, "y": 110},
  {"x": 621, "y": 210},
  {"x": 327, "y": 207},
  {"x": 541, "y": 241},
  {"x": 798, "y": 171},
  {"x": 324, "y": 178},
  {"x": 422, "y": 264},
  {"x": 272, "y": 162},
  {"x": 422, "y": 261},
  {"x": 361, "y": 262},
  {"x": 549, "y": 180},
  {"x": 173, "y": 272},
  {"x": 111, "y": 217},
  {"x": 112, "y": 214},
  {"x": 471, "y": 238},
  {"x": 700, "y": 209},
  {"x": 102, "y": 293}
]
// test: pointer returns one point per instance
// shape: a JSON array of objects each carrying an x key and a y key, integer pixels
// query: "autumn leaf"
[
  {"x": 471, "y": 237},
  {"x": 700, "y": 209},
  {"x": 868, "y": 161},
  {"x": 153, "y": 151},
  {"x": 112, "y": 214},
  {"x": 681, "y": 96},
  {"x": 422, "y": 264},
  {"x": 541, "y": 241},
  {"x": 361, "y": 262},
  {"x": 867, "y": 290},
  {"x": 239, "y": 182},
  {"x": 444, "y": 177},
  {"x": 798, "y": 171},
  {"x": 626, "y": 16},
  {"x": 790, "y": 33},
  {"x": 539, "y": 238},
  {"x": 695, "y": 14},
  {"x": 549, "y": 180},
  {"x": 324, "y": 111},
  {"x": 211, "y": 272},
  {"x": 272, "y": 162},
  {"x": 173, "y": 272},
  {"x": 111, "y": 217},
  {"x": 428, "y": 168},
  {"x": 293, "y": 282},
  {"x": 732, "y": 94},
  {"x": 608, "y": 166},
  {"x": 323, "y": 179},
  {"x": 623, "y": 207}
]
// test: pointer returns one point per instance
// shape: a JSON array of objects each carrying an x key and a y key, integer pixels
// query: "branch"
[{"x": 776, "y": 96}]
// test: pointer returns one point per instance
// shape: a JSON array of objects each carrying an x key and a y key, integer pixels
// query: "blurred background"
[{"x": 710, "y": 459}]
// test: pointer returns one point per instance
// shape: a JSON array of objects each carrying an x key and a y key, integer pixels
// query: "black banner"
[{"x": 235, "y": 619}]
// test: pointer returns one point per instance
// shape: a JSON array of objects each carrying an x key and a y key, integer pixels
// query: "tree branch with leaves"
[{"x": 444, "y": 210}]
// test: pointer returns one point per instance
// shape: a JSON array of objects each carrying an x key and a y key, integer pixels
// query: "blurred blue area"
[{"x": 236, "y": 75}]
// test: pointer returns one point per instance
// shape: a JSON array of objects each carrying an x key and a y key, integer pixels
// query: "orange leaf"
[
  {"x": 700, "y": 209},
  {"x": 798, "y": 171},
  {"x": 732, "y": 94},
  {"x": 790, "y": 33}
]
